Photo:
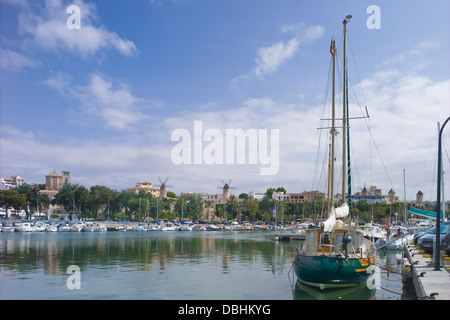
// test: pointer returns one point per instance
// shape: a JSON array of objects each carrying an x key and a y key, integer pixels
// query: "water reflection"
[
  {"x": 361, "y": 292},
  {"x": 161, "y": 265}
]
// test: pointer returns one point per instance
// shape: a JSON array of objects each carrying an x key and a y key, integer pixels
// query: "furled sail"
[{"x": 340, "y": 212}]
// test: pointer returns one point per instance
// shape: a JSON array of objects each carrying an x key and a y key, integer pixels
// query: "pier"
[{"x": 429, "y": 284}]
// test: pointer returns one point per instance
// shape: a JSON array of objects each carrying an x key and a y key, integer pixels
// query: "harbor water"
[{"x": 174, "y": 265}]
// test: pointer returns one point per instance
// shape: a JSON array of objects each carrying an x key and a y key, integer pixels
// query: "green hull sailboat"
[{"x": 335, "y": 254}]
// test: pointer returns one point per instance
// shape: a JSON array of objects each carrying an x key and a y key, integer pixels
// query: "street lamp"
[{"x": 438, "y": 201}]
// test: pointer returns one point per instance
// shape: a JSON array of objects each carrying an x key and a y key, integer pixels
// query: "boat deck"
[{"x": 428, "y": 282}]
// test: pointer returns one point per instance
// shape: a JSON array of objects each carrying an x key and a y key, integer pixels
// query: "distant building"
[
  {"x": 147, "y": 187},
  {"x": 211, "y": 200},
  {"x": 419, "y": 198},
  {"x": 298, "y": 197},
  {"x": 257, "y": 195},
  {"x": 374, "y": 195},
  {"x": 54, "y": 182},
  {"x": 13, "y": 182}
]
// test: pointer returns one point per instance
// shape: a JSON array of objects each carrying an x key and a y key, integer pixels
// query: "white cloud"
[
  {"x": 111, "y": 163},
  {"x": 269, "y": 59},
  {"x": 114, "y": 104},
  {"x": 12, "y": 60},
  {"x": 47, "y": 28}
]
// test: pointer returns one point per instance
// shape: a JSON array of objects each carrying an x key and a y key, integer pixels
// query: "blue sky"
[{"x": 104, "y": 100}]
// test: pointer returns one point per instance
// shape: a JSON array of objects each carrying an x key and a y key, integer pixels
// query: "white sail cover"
[{"x": 340, "y": 212}]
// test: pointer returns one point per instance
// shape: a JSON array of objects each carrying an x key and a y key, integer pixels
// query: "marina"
[
  {"x": 318, "y": 211},
  {"x": 171, "y": 265}
]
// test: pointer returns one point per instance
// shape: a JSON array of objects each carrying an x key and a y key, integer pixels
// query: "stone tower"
[
  {"x": 226, "y": 191},
  {"x": 419, "y": 197}
]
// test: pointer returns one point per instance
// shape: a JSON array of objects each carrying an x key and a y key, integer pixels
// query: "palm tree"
[{"x": 232, "y": 203}]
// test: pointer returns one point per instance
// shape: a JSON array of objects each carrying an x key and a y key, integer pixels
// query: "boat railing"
[{"x": 336, "y": 249}]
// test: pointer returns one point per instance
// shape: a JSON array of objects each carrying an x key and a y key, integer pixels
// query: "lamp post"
[{"x": 438, "y": 201}]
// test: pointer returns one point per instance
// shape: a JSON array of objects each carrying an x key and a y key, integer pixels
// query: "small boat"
[
  {"x": 40, "y": 226},
  {"x": 7, "y": 226},
  {"x": 374, "y": 232},
  {"x": 169, "y": 226},
  {"x": 235, "y": 226},
  {"x": 51, "y": 227},
  {"x": 199, "y": 227},
  {"x": 76, "y": 226},
  {"x": 257, "y": 228},
  {"x": 395, "y": 242},
  {"x": 212, "y": 227},
  {"x": 153, "y": 227},
  {"x": 63, "y": 227},
  {"x": 91, "y": 226},
  {"x": 25, "y": 227}
]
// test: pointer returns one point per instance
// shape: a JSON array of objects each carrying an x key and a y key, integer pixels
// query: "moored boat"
[
  {"x": 40, "y": 226},
  {"x": 336, "y": 255},
  {"x": 169, "y": 226},
  {"x": 92, "y": 226}
]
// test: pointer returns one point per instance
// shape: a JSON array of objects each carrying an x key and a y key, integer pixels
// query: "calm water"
[{"x": 166, "y": 265}]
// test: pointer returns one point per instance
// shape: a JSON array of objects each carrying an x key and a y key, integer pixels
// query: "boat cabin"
[{"x": 340, "y": 242}]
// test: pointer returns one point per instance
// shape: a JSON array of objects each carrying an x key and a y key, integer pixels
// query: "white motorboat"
[
  {"x": 40, "y": 226},
  {"x": 25, "y": 227},
  {"x": 63, "y": 227},
  {"x": 169, "y": 226},
  {"x": 91, "y": 226},
  {"x": 235, "y": 226},
  {"x": 395, "y": 242},
  {"x": 77, "y": 226},
  {"x": 374, "y": 232},
  {"x": 7, "y": 226},
  {"x": 52, "y": 227},
  {"x": 153, "y": 227}
]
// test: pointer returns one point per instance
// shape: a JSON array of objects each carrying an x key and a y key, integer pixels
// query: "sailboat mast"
[
  {"x": 344, "y": 114},
  {"x": 333, "y": 126},
  {"x": 345, "y": 122}
]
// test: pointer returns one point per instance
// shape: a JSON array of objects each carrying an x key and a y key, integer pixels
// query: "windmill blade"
[{"x": 163, "y": 183}]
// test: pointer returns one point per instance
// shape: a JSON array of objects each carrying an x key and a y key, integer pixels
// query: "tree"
[
  {"x": 171, "y": 194},
  {"x": 232, "y": 204},
  {"x": 11, "y": 199},
  {"x": 74, "y": 198},
  {"x": 250, "y": 206},
  {"x": 195, "y": 207},
  {"x": 266, "y": 205}
]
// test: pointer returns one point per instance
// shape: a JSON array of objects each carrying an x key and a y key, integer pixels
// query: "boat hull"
[{"x": 333, "y": 272}]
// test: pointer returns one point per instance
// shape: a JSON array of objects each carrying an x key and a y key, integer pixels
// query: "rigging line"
[
  {"x": 317, "y": 160},
  {"x": 368, "y": 125},
  {"x": 356, "y": 67}
]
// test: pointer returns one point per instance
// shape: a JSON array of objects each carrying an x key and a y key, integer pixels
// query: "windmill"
[
  {"x": 226, "y": 188},
  {"x": 163, "y": 188}
]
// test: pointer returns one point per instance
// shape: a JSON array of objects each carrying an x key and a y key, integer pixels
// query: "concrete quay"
[{"x": 429, "y": 284}]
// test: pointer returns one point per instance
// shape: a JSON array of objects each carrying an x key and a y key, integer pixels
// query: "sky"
[{"x": 121, "y": 92}]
